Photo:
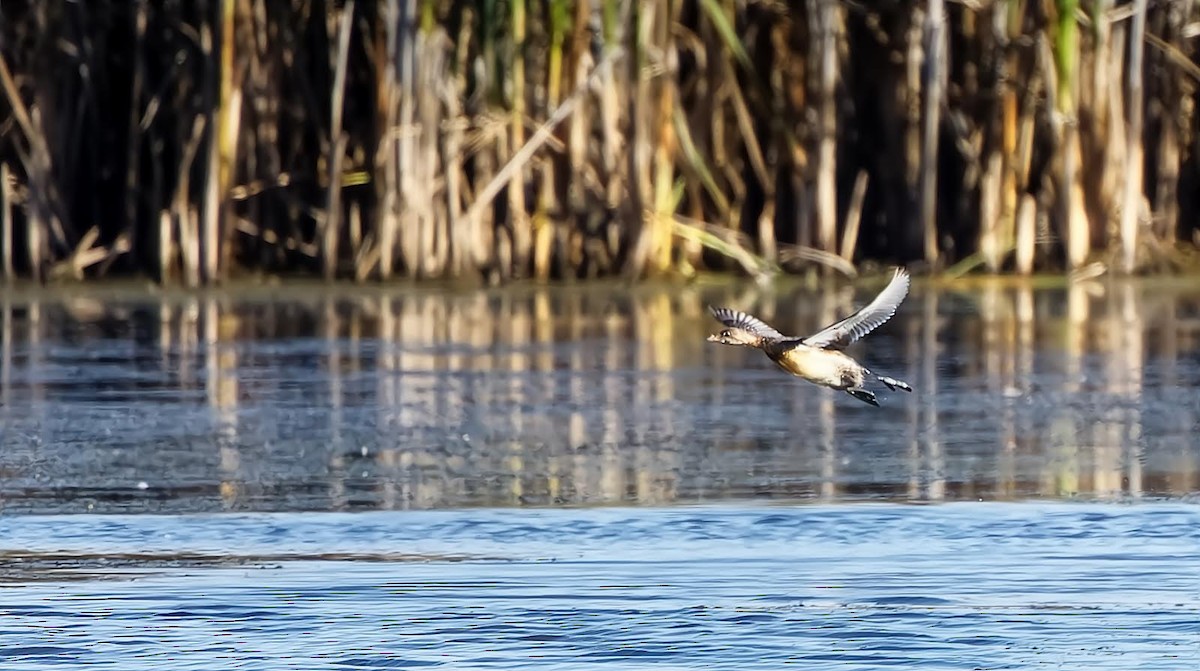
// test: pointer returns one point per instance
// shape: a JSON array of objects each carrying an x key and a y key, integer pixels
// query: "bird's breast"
[{"x": 825, "y": 367}]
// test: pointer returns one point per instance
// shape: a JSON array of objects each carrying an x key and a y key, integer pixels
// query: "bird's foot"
[
  {"x": 863, "y": 395},
  {"x": 892, "y": 383}
]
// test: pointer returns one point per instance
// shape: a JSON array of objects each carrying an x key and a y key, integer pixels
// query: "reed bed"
[{"x": 500, "y": 140}]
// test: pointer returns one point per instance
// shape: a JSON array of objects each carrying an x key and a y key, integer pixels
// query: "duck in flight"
[{"x": 819, "y": 358}]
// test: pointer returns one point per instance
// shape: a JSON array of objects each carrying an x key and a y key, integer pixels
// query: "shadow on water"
[
  {"x": 291, "y": 399},
  {"x": 22, "y": 567}
]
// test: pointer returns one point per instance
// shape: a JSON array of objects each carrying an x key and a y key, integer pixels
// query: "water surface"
[
  {"x": 536, "y": 478},
  {"x": 955, "y": 586}
]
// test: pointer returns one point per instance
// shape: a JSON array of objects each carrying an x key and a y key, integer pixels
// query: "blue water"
[
  {"x": 846, "y": 586},
  {"x": 570, "y": 479}
]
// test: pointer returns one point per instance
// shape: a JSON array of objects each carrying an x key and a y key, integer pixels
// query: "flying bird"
[{"x": 819, "y": 358}]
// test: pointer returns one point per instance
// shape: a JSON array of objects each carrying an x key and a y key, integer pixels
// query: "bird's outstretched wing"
[
  {"x": 741, "y": 320},
  {"x": 842, "y": 333}
]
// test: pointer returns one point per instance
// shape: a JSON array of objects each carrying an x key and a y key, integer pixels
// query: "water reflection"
[{"x": 315, "y": 398}]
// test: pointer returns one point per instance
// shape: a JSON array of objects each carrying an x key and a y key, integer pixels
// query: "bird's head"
[{"x": 736, "y": 337}]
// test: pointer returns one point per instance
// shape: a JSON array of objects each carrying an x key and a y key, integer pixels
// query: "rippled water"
[
  {"x": 560, "y": 478},
  {"x": 957, "y": 586}
]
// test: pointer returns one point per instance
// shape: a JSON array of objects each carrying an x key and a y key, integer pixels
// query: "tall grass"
[{"x": 505, "y": 139}]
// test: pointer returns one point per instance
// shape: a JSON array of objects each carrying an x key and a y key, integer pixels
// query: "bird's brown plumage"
[{"x": 818, "y": 358}]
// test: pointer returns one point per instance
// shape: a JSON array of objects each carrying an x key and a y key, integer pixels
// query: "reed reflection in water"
[{"x": 329, "y": 398}]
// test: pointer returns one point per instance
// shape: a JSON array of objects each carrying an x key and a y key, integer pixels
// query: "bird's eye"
[{"x": 726, "y": 334}]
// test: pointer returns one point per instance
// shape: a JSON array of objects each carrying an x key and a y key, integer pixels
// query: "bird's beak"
[{"x": 714, "y": 338}]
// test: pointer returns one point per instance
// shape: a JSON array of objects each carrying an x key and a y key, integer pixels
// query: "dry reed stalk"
[
  {"x": 89, "y": 254},
  {"x": 986, "y": 171},
  {"x": 639, "y": 140},
  {"x": 366, "y": 257},
  {"x": 166, "y": 245},
  {"x": 854, "y": 215},
  {"x": 791, "y": 253},
  {"x": 1072, "y": 209},
  {"x": 338, "y": 140},
  {"x": 1103, "y": 140},
  {"x": 39, "y": 175},
  {"x": 579, "y": 135},
  {"x": 134, "y": 126},
  {"x": 935, "y": 58},
  {"x": 691, "y": 251},
  {"x": 1026, "y": 234},
  {"x": 754, "y": 152},
  {"x": 613, "y": 27},
  {"x": 991, "y": 249},
  {"x": 6, "y": 225},
  {"x": 824, "y": 15},
  {"x": 432, "y": 45},
  {"x": 542, "y": 223},
  {"x": 78, "y": 260},
  {"x": 211, "y": 204},
  {"x": 911, "y": 112},
  {"x": 223, "y": 148},
  {"x": 35, "y": 248},
  {"x": 407, "y": 222},
  {"x": 724, "y": 142},
  {"x": 543, "y": 134},
  {"x": 290, "y": 243},
  {"x": 726, "y": 241},
  {"x": 1166, "y": 123},
  {"x": 1131, "y": 198},
  {"x": 1015, "y": 194},
  {"x": 665, "y": 197},
  {"x": 721, "y": 21},
  {"x": 462, "y": 244},
  {"x": 191, "y": 245},
  {"x": 768, "y": 246},
  {"x": 464, "y": 247},
  {"x": 183, "y": 212},
  {"x": 484, "y": 225},
  {"x": 387, "y": 181},
  {"x": 262, "y": 143},
  {"x": 597, "y": 237},
  {"x": 544, "y": 230},
  {"x": 518, "y": 215},
  {"x": 1002, "y": 181},
  {"x": 355, "y": 234}
]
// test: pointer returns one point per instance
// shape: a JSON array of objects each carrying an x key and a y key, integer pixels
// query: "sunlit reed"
[{"x": 496, "y": 141}]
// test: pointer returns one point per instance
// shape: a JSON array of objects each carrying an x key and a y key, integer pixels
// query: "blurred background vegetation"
[{"x": 193, "y": 142}]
